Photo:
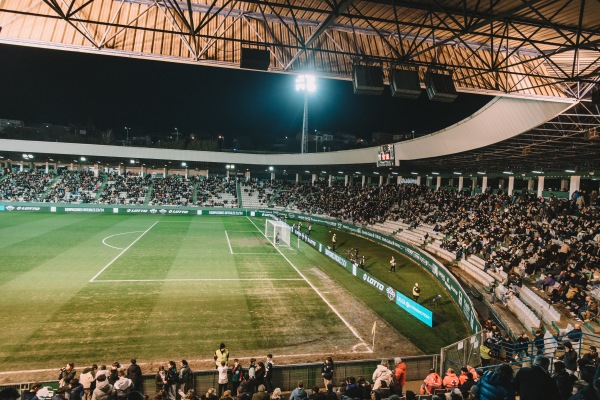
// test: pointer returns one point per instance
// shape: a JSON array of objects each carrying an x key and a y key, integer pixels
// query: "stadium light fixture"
[
  {"x": 570, "y": 171},
  {"x": 414, "y": 173},
  {"x": 306, "y": 84},
  {"x": 481, "y": 172},
  {"x": 537, "y": 171},
  {"x": 271, "y": 168},
  {"x": 184, "y": 164},
  {"x": 323, "y": 172},
  {"x": 82, "y": 158},
  {"x": 435, "y": 173},
  {"x": 394, "y": 173},
  {"x": 376, "y": 173},
  {"x": 131, "y": 161},
  {"x": 507, "y": 172},
  {"x": 340, "y": 172},
  {"x": 457, "y": 173}
]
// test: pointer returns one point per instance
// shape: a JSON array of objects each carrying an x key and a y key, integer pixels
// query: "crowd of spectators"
[
  {"x": 25, "y": 185},
  {"x": 125, "y": 189},
  {"x": 217, "y": 192},
  {"x": 173, "y": 191},
  {"x": 74, "y": 187}
]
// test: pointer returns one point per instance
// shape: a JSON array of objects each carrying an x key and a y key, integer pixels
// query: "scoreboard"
[{"x": 386, "y": 156}]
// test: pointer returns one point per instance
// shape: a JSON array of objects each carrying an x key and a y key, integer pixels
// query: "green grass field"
[{"x": 98, "y": 288}]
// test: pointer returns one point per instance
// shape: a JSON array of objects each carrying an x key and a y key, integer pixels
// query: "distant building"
[
  {"x": 382, "y": 137},
  {"x": 10, "y": 123}
]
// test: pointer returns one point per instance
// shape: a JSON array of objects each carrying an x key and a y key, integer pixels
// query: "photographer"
[{"x": 66, "y": 374}]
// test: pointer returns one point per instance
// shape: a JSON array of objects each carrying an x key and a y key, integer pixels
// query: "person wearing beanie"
[{"x": 416, "y": 292}]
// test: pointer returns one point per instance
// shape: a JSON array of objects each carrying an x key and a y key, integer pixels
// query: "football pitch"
[
  {"x": 99, "y": 288},
  {"x": 89, "y": 288}
]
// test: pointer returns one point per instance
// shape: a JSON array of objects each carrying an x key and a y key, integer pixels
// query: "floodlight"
[
  {"x": 271, "y": 168},
  {"x": 184, "y": 164},
  {"x": 82, "y": 158},
  {"x": 306, "y": 83}
]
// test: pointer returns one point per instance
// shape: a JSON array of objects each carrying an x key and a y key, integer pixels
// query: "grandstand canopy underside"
[{"x": 536, "y": 49}]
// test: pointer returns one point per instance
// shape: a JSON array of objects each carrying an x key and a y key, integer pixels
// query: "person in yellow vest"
[
  {"x": 222, "y": 354},
  {"x": 485, "y": 353}
]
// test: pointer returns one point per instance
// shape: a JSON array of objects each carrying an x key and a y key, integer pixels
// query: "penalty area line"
[
  {"x": 352, "y": 329},
  {"x": 228, "y": 242},
  {"x": 122, "y": 252}
]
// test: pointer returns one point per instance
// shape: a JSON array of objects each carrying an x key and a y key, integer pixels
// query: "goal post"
[{"x": 278, "y": 232}]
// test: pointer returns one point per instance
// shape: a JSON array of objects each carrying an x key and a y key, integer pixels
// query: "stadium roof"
[{"x": 543, "y": 48}]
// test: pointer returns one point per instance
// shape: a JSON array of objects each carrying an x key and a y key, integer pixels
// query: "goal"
[{"x": 278, "y": 232}]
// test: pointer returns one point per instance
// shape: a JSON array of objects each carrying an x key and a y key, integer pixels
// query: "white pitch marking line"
[
  {"x": 122, "y": 252},
  {"x": 117, "y": 234},
  {"x": 196, "y": 280},
  {"x": 256, "y": 254},
  {"x": 228, "y": 242},
  {"x": 352, "y": 329}
]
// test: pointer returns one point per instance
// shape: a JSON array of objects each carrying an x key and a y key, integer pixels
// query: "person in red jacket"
[
  {"x": 400, "y": 375},
  {"x": 432, "y": 381},
  {"x": 450, "y": 380}
]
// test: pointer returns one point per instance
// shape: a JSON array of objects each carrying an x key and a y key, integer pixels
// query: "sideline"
[
  {"x": 352, "y": 329},
  {"x": 195, "y": 280},
  {"x": 122, "y": 252}
]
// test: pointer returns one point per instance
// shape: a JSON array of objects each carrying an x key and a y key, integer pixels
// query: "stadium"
[{"x": 471, "y": 246}]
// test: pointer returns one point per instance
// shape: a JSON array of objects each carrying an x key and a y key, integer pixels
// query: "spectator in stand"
[
  {"x": 352, "y": 389},
  {"x": 563, "y": 380},
  {"x": 86, "y": 379},
  {"x": 523, "y": 346},
  {"x": 123, "y": 387},
  {"x": 574, "y": 334},
  {"x": 364, "y": 386},
  {"x": 588, "y": 364},
  {"x": 134, "y": 372},
  {"x": 496, "y": 384},
  {"x": 269, "y": 373},
  {"x": 103, "y": 390},
  {"x": 535, "y": 383},
  {"x": 327, "y": 371},
  {"x": 298, "y": 393},
  {"x": 431, "y": 382},
  {"x": 160, "y": 378},
  {"x": 185, "y": 377},
  {"x": 450, "y": 381},
  {"x": 277, "y": 395},
  {"x": 538, "y": 340},
  {"x": 569, "y": 358},
  {"x": 382, "y": 392},
  {"x": 400, "y": 375},
  {"x": 211, "y": 394},
  {"x": 172, "y": 377},
  {"x": 221, "y": 354},
  {"x": 237, "y": 375},
  {"x": 466, "y": 385},
  {"x": 223, "y": 379},
  {"x": 75, "y": 391},
  {"x": 9, "y": 393},
  {"x": 381, "y": 374},
  {"x": 31, "y": 393},
  {"x": 66, "y": 374}
]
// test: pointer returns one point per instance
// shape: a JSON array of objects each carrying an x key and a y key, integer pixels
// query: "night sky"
[{"x": 58, "y": 87}]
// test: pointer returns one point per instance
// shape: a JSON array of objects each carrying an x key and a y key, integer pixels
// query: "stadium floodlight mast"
[{"x": 306, "y": 84}]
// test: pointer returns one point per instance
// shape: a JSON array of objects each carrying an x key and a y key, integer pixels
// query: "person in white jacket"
[
  {"x": 86, "y": 378},
  {"x": 123, "y": 386},
  {"x": 104, "y": 390},
  {"x": 382, "y": 373}
]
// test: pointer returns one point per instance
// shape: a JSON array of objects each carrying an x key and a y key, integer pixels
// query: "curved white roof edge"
[{"x": 501, "y": 119}]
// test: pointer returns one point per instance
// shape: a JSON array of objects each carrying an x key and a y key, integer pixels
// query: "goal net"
[{"x": 278, "y": 232}]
